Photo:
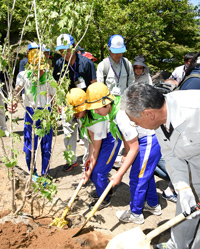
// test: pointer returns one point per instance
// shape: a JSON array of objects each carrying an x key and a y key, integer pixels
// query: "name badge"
[
  {"x": 116, "y": 91},
  {"x": 80, "y": 83}
]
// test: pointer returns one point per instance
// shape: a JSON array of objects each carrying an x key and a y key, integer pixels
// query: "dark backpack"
[
  {"x": 166, "y": 88},
  {"x": 193, "y": 75},
  {"x": 106, "y": 67}
]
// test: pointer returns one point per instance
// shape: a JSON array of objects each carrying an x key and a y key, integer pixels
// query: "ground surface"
[{"x": 103, "y": 225}]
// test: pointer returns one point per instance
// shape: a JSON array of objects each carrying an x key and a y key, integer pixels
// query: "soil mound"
[{"x": 38, "y": 234}]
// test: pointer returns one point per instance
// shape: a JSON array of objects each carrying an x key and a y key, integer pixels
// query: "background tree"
[{"x": 161, "y": 30}]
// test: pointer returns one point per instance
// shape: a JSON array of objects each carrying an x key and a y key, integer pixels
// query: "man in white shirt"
[
  {"x": 115, "y": 70},
  {"x": 177, "y": 127},
  {"x": 179, "y": 72}
]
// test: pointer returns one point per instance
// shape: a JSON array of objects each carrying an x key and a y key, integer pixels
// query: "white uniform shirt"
[
  {"x": 99, "y": 130},
  {"x": 179, "y": 73},
  {"x": 128, "y": 129},
  {"x": 42, "y": 100},
  {"x": 111, "y": 80}
]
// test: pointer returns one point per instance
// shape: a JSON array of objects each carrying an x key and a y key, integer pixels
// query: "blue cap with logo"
[
  {"x": 64, "y": 41},
  {"x": 116, "y": 44}
]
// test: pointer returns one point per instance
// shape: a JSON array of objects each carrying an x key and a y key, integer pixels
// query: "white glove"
[{"x": 187, "y": 200}]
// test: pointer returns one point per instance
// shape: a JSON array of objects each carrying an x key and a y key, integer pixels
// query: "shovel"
[
  {"x": 135, "y": 238},
  {"x": 60, "y": 222},
  {"x": 98, "y": 203}
]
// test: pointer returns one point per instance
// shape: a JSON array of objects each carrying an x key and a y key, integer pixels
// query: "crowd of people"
[{"x": 125, "y": 122}]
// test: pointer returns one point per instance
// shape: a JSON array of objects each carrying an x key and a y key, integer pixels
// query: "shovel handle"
[
  {"x": 78, "y": 188},
  {"x": 171, "y": 223},
  {"x": 75, "y": 193},
  {"x": 102, "y": 197}
]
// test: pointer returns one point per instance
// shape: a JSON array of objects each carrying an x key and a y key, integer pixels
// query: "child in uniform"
[
  {"x": 32, "y": 102},
  {"x": 103, "y": 147},
  {"x": 142, "y": 152}
]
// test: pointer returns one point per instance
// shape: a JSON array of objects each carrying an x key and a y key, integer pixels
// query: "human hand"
[
  {"x": 86, "y": 177},
  {"x": 12, "y": 106},
  {"x": 116, "y": 179},
  {"x": 87, "y": 162},
  {"x": 187, "y": 200},
  {"x": 59, "y": 108}
]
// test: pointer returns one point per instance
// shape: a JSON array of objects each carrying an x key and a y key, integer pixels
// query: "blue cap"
[
  {"x": 32, "y": 45},
  {"x": 116, "y": 44},
  {"x": 64, "y": 41}
]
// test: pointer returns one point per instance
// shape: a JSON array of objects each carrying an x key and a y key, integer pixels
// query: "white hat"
[
  {"x": 64, "y": 41},
  {"x": 116, "y": 44},
  {"x": 32, "y": 45}
]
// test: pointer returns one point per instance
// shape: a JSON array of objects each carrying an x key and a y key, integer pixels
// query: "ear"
[{"x": 149, "y": 113}]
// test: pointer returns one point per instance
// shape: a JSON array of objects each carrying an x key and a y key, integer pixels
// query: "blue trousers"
[
  {"x": 142, "y": 182},
  {"x": 46, "y": 142},
  {"x": 107, "y": 155},
  {"x": 161, "y": 171}
]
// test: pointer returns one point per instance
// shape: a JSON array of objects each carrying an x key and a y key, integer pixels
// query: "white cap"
[
  {"x": 116, "y": 44},
  {"x": 64, "y": 41},
  {"x": 32, "y": 45}
]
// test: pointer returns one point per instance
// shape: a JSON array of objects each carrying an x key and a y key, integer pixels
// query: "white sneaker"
[
  {"x": 154, "y": 210},
  {"x": 128, "y": 216}
]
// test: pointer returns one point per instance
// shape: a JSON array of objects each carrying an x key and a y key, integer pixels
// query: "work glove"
[{"x": 187, "y": 200}]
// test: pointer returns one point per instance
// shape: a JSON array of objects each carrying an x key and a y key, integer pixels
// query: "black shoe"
[
  {"x": 105, "y": 203},
  {"x": 96, "y": 197},
  {"x": 160, "y": 246}
]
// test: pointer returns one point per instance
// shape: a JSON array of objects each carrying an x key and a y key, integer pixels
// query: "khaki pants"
[{"x": 71, "y": 136}]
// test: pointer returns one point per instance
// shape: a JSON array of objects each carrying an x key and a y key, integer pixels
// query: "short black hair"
[{"x": 188, "y": 56}]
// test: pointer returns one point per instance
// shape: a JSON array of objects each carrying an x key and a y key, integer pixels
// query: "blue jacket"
[
  {"x": 192, "y": 83},
  {"x": 84, "y": 68}
]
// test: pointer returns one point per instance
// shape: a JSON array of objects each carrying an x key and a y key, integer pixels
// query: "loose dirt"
[{"x": 31, "y": 229}]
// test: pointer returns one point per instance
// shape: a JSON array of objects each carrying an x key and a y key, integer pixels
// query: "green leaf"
[
  {"x": 2, "y": 133},
  {"x": 15, "y": 120},
  {"x": 53, "y": 83},
  {"x": 38, "y": 114},
  {"x": 40, "y": 132},
  {"x": 43, "y": 93},
  {"x": 9, "y": 163},
  {"x": 16, "y": 138}
]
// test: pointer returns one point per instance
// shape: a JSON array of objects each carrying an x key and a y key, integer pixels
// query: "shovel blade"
[
  {"x": 77, "y": 233},
  {"x": 96, "y": 206},
  {"x": 62, "y": 223},
  {"x": 55, "y": 222}
]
